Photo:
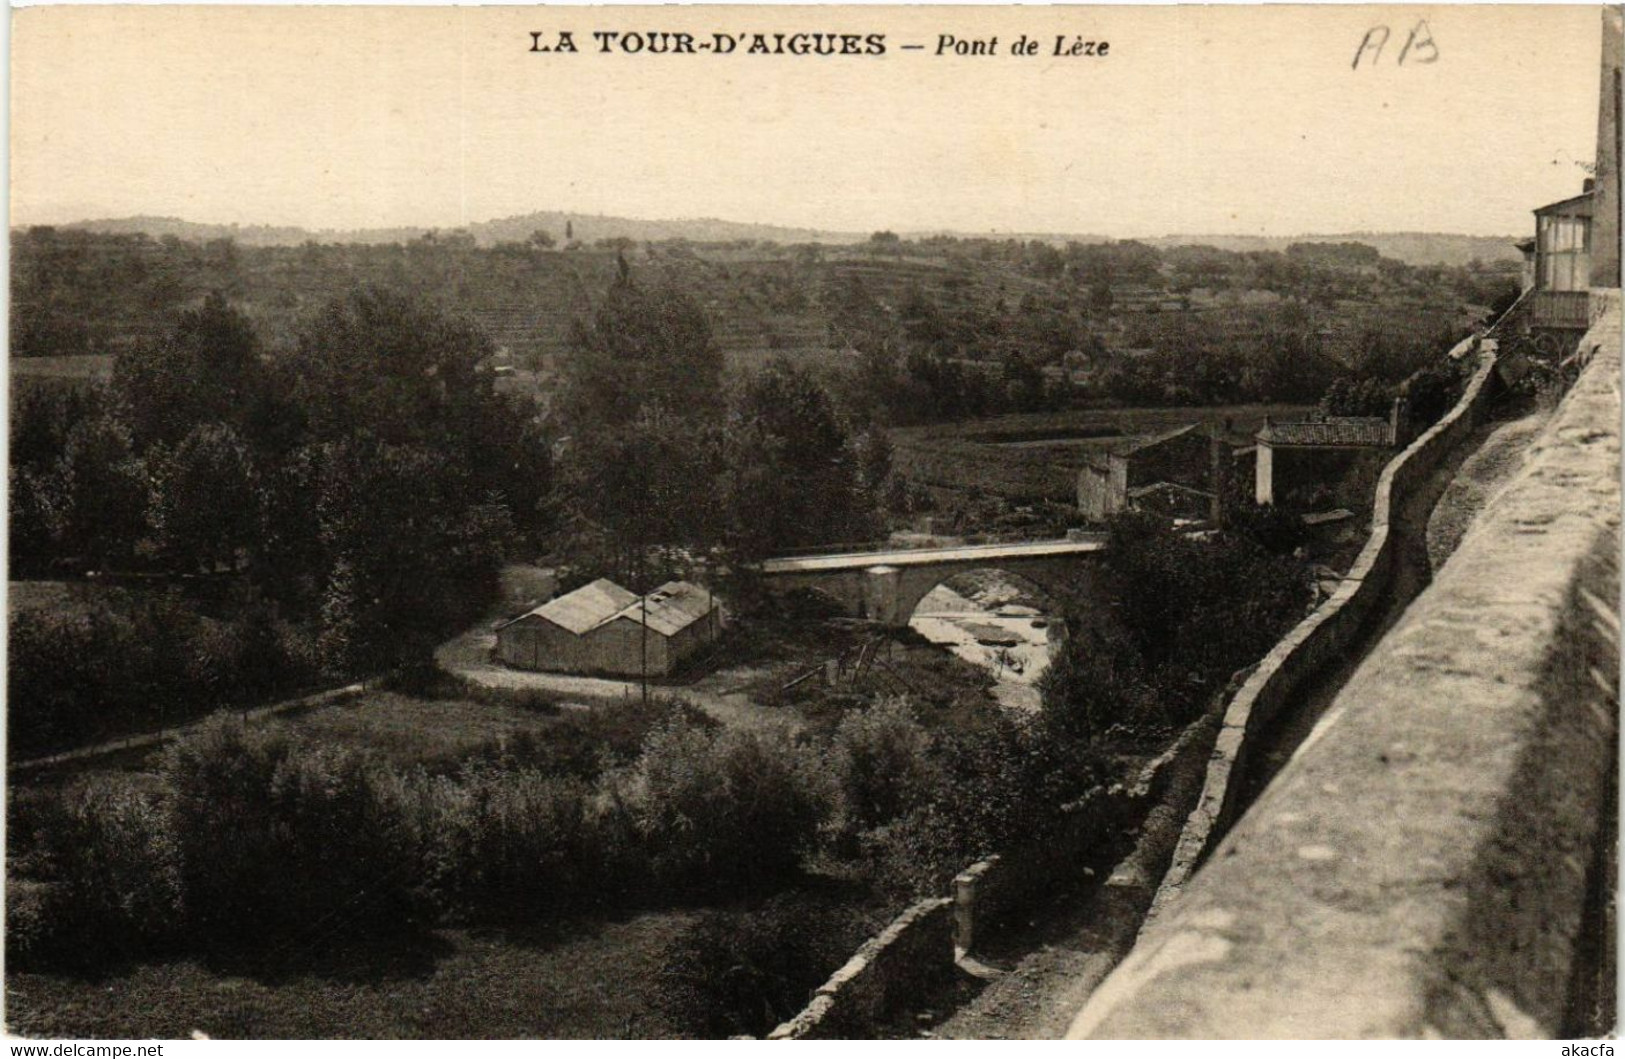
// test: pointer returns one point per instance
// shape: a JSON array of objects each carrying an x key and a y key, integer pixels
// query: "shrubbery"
[
  {"x": 278, "y": 839},
  {"x": 123, "y": 665},
  {"x": 743, "y": 972},
  {"x": 500, "y": 844},
  {"x": 880, "y": 765},
  {"x": 258, "y": 843},
  {"x": 1000, "y": 786},
  {"x": 723, "y": 811},
  {"x": 1196, "y": 610},
  {"x": 112, "y": 886}
]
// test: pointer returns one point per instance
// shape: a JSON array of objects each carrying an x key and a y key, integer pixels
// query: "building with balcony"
[{"x": 1575, "y": 249}]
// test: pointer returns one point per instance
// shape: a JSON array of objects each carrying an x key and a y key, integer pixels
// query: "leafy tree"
[
  {"x": 645, "y": 346},
  {"x": 207, "y": 369},
  {"x": 35, "y": 518},
  {"x": 41, "y": 419},
  {"x": 104, "y": 492},
  {"x": 794, "y": 476},
  {"x": 412, "y": 553},
  {"x": 379, "y": 361},
  {"x": 207, "y": 505},
  {"x": 1195, "y": 610},
  {"x": 1357, "y": 397},
  {"x": 655, "y": 481}
]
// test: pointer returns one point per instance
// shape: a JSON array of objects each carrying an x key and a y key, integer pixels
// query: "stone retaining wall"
[
  {"x": 922, "y": 945},
  {"x": 991, "y": 892},
  {"x": 1437, "y": 858},
  {"x": 913, "y": 953},
  {"x": 1322, "y": 637},
  {"x": 924, "y": 941}
]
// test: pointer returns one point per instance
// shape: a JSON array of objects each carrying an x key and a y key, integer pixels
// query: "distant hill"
[
  {"x": 588, "y": 228},
  {"x": 1413, "y": 248}
]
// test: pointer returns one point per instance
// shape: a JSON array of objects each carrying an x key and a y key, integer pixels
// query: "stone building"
[
  {"x": 1111, "y": 480},
  {"x": 1294, "y": 459}
]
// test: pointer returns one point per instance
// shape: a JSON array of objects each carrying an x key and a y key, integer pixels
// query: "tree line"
[{"x": 359, "y": 492}]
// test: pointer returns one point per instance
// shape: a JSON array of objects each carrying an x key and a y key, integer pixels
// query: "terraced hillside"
[{"x": 762, "y": 302}]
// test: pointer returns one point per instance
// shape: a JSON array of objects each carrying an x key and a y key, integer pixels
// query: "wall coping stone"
[{"x": 1421, "y": 866}]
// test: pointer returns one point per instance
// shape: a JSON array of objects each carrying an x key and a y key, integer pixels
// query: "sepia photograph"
[{"x": 812, "y": 522}]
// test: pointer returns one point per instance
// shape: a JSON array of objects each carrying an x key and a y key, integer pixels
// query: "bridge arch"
[
  {"x": 1057, "y": 580},
  {"x": 887, "y": 586}
]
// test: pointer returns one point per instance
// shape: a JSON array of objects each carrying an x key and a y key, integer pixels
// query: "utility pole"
[{"x": 643, "y": 609}]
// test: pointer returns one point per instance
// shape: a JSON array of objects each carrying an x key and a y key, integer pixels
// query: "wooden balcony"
[{"x": 1559, "y": 309}]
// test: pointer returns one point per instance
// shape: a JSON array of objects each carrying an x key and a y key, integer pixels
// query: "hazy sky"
[{"x": 1234, "y": 120}]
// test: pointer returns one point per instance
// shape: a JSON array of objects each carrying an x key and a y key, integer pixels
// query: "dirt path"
[
  {"x": 151, "y": 740},
  {"x": 723, "y": 694},
  {"x": 1034, "y": 996},
  {"x": 1482, "y": 476},
  {"x": 1437, "y": 502}
]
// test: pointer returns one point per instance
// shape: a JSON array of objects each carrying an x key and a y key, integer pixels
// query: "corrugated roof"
[
  {"x": 1340, "y": 430},
  {"x": 586, "y": 607},
  {"x": 671, "y": 608}
]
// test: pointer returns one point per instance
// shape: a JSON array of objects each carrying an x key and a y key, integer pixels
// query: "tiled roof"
[
  {"x": 1101, "y": 458},
  {"x": 1343, "y": 430},
  {"x": 1139, "y": 444},
  {"x": 1168, "y": 487}
]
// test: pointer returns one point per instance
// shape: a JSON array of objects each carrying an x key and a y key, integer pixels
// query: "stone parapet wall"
[
  {"x": 922, "y": 946},
  {"x": 1321, "y": 637},
  {"x": 1437, "y": 857},
  {"x": 913, "y": 953}
]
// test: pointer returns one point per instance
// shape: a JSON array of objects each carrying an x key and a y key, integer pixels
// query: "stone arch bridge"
[{"x": 886, "y": 586}]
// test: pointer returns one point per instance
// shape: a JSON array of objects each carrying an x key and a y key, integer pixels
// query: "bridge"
[{"x": 886, "y": 585}]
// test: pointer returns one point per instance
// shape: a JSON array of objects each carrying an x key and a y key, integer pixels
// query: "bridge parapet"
[
  {"x": 887, "y": 586},
  {"x": 1437, "y": 857}
]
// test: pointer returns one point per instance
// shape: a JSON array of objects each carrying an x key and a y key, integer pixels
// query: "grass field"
[
  {"x": 410, "y": 731},
  {"x": 594, "y": 980},
  {"x": 84, "y": 370},
  {"x": 1038, "y": 456}
]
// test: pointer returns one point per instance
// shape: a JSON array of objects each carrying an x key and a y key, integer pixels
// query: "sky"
[{"x": 1228, "y": 120}]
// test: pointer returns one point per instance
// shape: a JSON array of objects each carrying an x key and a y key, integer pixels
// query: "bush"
[
  {"x": 1097, "y": 688},
  {"x": 721, "y": 812},
  {"x": 118, "y": 664},
  {"x": 1004, "y": 783},
  {"x": 744, "y": 972},
  {"x": 1196, "y": 610},
  {"x": 501, "y": 844},
  {"x": 280, "y": 840},
  {"x": 879, "y": 762},
  {"x": 111, "y": 888},
  {"x": 1273, "y": 527},
  {"x": 1434, "y": 390},
  {"x": 584, "y": 744}
]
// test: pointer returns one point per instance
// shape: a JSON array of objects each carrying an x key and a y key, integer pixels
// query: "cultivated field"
[
  {"x": 1038, "y": 456},
  {"x": 85, "y": 370}
]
